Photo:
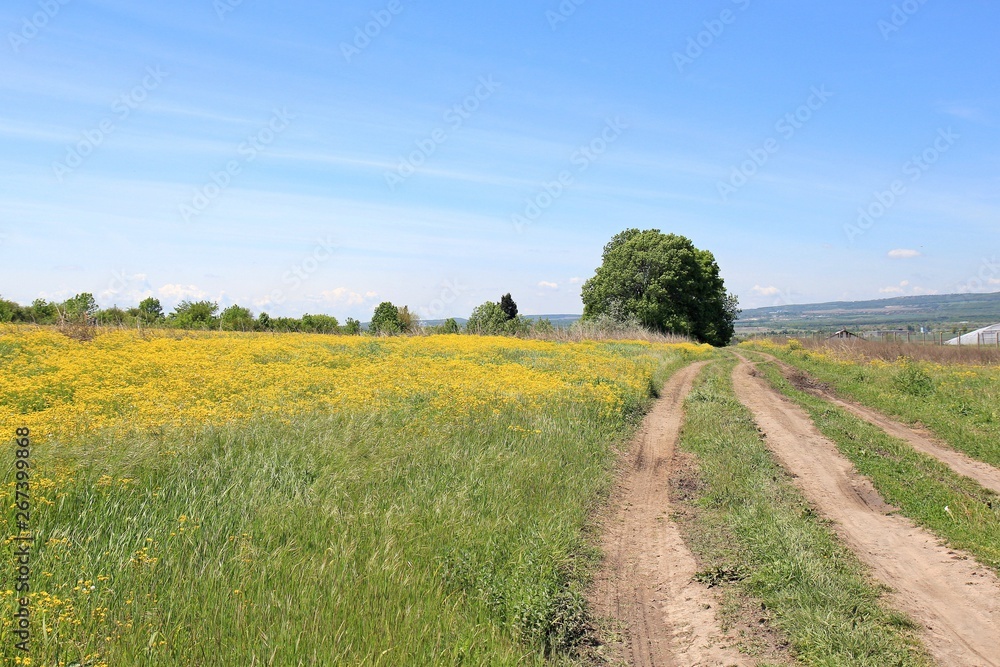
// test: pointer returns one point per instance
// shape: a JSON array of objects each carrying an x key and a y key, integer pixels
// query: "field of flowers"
[{"x": 221, "y": 499}]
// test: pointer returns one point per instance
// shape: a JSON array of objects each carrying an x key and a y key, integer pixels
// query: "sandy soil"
[
  {"x": 955, "y": 600},
  {"x": 920, "y": 439},
  {"x": 646, "y": 581}
]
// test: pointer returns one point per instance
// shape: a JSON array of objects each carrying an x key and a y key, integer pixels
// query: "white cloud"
[
  {"x": 766, "y": 291},
  {"x": 904, "y": 253},
  {"x": 904, "y": 287},
  {"x": 176, "y": 292},
  {"x": 342, "y": 295},
  {"x": 545, "y": 283},
  {"x": 575, "y": 281},
  {"x": 125, "y": 289}
]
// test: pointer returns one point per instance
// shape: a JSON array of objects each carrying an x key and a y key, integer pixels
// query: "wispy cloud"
[
  {"x": 175, "y": 292},
  {"x": 904, "y": 253},
  {"x": 905, "y": 288},
  {"x": 963, "y": 111}
]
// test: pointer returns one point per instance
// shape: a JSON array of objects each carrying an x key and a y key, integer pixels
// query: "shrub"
[
  {"x": 351, "y": 327},
  {"x": 150, "y": 311},
  {"x": 197, "y": 315},
  {"x": 488, "y": 319},
  {"x": 236, "y": 318},
  {"x": 409, "y": 320},
  {"x": 449, "y": 326},
  {"x": 542, "y": 326},
  {"x": 912, "y": 379},
  {"x": 320, "y": 324},
  {"x": 386, "y": 320}
]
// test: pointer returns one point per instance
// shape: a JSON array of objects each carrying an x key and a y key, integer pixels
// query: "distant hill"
[{"x": 936, "y": 312}]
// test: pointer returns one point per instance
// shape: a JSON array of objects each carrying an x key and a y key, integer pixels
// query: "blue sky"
[{"x": 322, "y": 157}]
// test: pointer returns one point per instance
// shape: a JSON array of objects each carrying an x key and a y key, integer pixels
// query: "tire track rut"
[
  {"x": 646, "y": 580},
  {"x": 955, "y": 600},
  {"x": 921, "y": 440}
]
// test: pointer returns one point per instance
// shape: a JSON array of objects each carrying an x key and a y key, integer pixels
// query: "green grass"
[
  {"x": 960, "y": 404},
  {"x": 919, "y": 485},
  {"x": 746, "y": 523},
  {"x": 380, "y": 538}
]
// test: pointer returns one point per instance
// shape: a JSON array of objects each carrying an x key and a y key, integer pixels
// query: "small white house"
[{"x": 985, "y": 336}]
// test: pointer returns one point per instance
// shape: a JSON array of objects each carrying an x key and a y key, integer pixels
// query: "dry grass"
[
  {"x": 867, "y": 350},
  {"x": 578, "y": 334}
]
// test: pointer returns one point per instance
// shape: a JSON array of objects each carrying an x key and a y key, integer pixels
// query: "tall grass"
[
  {"x": 746, "y": 523},
  {"x": 378, "y": 537},
  {"x": 866, "y": 350}
]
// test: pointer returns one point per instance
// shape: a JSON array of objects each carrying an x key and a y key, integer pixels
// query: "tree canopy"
[
  {"x": 386, "y": 320},
  {"x": 666, "y": 283}
]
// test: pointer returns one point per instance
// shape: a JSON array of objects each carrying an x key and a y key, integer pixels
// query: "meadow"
[{"x": 255, "y": 499}]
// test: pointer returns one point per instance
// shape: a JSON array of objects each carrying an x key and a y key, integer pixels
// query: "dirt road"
[
  {"x": 646, "y": 580},
  {"x": 920, "y": 439},
  {"x": 956, "y": 601}
]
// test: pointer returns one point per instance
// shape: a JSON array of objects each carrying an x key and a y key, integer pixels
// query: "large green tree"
[{"x": 666, "y": 283}]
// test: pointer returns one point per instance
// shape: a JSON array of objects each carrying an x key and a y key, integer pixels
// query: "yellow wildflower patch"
[{"x": 127, "y": 380}]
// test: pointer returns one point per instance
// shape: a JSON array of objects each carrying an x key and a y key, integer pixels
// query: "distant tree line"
[
  {"x": 490, "y": 318},
  {"x": 647, "y": 280},
  {"x": 205, "y": 315}
]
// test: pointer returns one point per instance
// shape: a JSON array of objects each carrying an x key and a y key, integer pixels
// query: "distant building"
[
  {"x": 844, "y": 333},
  {"x": 985, "y": 336}
]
